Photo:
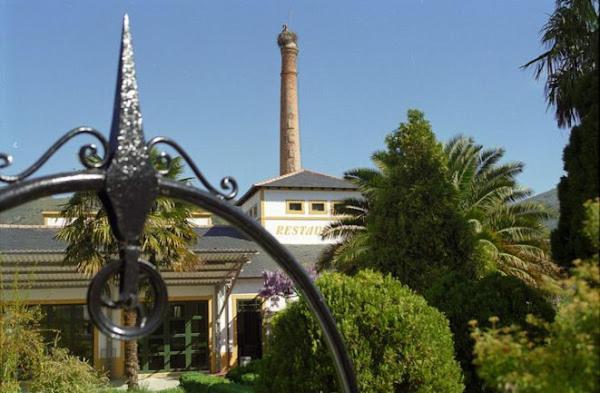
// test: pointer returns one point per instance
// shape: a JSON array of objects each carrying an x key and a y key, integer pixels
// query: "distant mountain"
[
  {"x": 31, "y": 213},
  {"x": 550, "y": 199}
]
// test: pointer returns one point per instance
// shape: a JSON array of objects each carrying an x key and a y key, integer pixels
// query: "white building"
[{"x": 214, "y": 315}]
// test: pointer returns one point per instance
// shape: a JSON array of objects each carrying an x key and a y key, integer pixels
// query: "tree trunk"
[{"x": 132, "y": 365}]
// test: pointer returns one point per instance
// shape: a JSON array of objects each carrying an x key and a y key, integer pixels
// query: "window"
[
  {"x": 336, "y": 208},
  {"x": 180, "y": 343},
  {"x": 253, "y": 211},
  {"x": 73, "y": 325},
  {"x": 294, "y": 207},
  {"x": 318, "y": 207}
]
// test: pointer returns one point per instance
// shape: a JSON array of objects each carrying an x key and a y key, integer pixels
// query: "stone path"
[{"x": 153, "y": 381}]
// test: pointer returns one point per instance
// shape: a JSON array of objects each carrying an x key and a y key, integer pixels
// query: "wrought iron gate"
[{"x": 127, "y": 184}]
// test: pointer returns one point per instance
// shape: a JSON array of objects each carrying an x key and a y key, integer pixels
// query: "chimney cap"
[{"x": 287, "y": 38}]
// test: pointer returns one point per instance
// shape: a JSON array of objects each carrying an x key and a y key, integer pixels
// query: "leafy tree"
[
  {"x": 581, "y": 158},
  {"x": 496, "y": 294},
  {"x": 571, "y": 58},
  {"x": 568, "y": 359},
  {"x": 570, "y": 66},
  {"x": 397, "y": 342},
  {"x": 165, "y": 240},
  {"x": 510, "y": 230},
  {"x": 415, "y": 229}
]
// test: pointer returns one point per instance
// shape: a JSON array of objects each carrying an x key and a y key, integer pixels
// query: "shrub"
[
  {"x": 61, "y": 373},
  {"x": 568, "y": 359},
  {"x": 495, "y": 295},
  {"x": 245, "y": 375},
  {"x": 200, "y": 382},
  {"x": 396, "y": 341},
  {"x": 25, "y": 356},
  {"x": 230, "y": 388}
]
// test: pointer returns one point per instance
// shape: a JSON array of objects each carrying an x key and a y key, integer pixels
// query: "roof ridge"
[
  {"x": 326, "y": 175},
  {"x": 25, "y": 251},
  {"x": 279, "y": 177},
  {"x": 28, "y": 226}
]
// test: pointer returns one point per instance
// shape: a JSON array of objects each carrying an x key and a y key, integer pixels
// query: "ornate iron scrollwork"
[
  {"x": 128, "y": 184},
  {"x": 88, "y": 155}
]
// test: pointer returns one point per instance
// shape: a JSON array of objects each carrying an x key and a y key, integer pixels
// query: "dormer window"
[
  {"x": 336, "y": 208},
  {"x": 318, "y": 207},
  {"x": 294, "y": 207}
]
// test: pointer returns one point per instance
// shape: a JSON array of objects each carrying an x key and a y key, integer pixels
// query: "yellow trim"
[
  {"x": 54, "y": 301},
  {"x": 304, "y": 218},
  {"x": 321, "y": 212},
  {"x": 262, "y": 214},
  {"x": 198, "y": 214},
  {"x": 51, "y": 213},
  {"x": 234, "y": 310},
  {"x": 95, "y": 351},
  {"x": 289, "y": 211}
]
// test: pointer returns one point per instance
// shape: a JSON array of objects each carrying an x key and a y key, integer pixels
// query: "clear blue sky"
[{"x": 208, "y": 74}]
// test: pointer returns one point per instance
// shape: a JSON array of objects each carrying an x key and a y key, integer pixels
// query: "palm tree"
[
  {"x": 571, "y": 58},
  {"x": 350, "y": 229},
  {"x": 165, "y": 240},
  {"x": 509, "y": 228}
]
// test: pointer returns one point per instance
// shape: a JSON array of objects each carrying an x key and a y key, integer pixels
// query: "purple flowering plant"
[{"x": 277, "y": 284}]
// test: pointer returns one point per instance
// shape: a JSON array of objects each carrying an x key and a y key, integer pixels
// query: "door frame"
[{"x": 233, "y": 362}]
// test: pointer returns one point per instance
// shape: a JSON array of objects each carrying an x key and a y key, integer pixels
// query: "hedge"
[
  {"x": 203, "y": 383},
  {"x": 230, "y": 388},
  {"x": 397, "y": 342},
  {"x": 199, "y": 382},
  {"x": 245, "y": 375}
]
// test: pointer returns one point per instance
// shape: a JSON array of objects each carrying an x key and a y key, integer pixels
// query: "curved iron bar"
[
  {"x": 227, "y": 183},
  {"x": 86, "y": 152},
  {"x": 94, "y": 181}
]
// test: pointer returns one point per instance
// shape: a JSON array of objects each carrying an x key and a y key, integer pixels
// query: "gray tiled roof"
[
  {"x": 30, "y": 213},
  {"x": 306, "y": 254},
  {"x": 301, "y": 179},
  {"x": 215, "y": 239}
]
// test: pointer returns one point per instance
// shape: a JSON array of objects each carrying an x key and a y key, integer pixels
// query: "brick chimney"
[{"x": 289, "y": 129}]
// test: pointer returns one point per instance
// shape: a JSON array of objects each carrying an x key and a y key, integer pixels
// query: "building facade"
[{"x": 215, "y": 315}]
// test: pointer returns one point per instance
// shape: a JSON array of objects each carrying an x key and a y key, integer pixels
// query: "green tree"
[
  {"x": 165, "y": 240},
  {"x": 567, "y": 360},
  {"x": 397, "y": 342},
  {"x": 581, "y": 158},
  {"x": 493, "y": 295},
  {"x": 571, "y": 58},
  {"x": 510, "y": 231},
  {"x": 415, "y": 228},
  {"x": 570, "y": 66}
]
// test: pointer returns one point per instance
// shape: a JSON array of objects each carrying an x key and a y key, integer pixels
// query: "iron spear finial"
[{"x": 131, "y": 184}]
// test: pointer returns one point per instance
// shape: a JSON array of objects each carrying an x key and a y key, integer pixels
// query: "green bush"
[
  {"x": 245, "y": 375},
  {"x": 495, "y": 295},
  {"x": 397, "y": 342},
  {"x": 200, "y": 382},
  {"x": 46, "y": 368},
  {"x": 61, "y": 373},
  {"x": 230, "y": 388},
  {"x": 567, "y": 360}
]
